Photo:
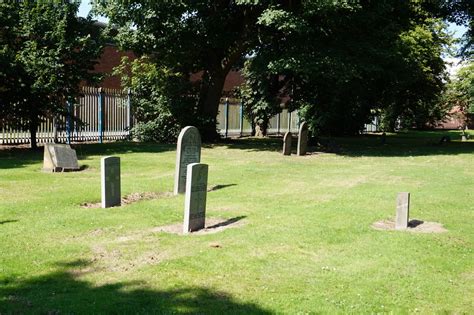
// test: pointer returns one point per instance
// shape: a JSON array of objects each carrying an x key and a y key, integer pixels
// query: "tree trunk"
[{"x": 211, "y": 92}]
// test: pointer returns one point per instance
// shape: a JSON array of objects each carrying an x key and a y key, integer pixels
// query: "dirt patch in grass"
[
  {"x": 114, "y": 260},
  {"x": 115, "y": 256},
  {"x": 133, "y": 197},
  {"x": 213, "y": 225},
  {"x": 416, "y": 226}
]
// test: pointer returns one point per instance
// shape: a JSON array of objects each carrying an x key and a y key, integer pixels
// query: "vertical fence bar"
[
  {"x": 55, "y": 129},
  {"x": 278, "y": 124},
  {"x": 100, "y": 121},
  {"x": 226, "y": 116},
  {"x": 129, "y": 113},
  {"x": 298, "y": 121},
  {"x": 241, "y": 118},
  {"x": 289, "y": 120},
  {"x": 68, "y": 121}
]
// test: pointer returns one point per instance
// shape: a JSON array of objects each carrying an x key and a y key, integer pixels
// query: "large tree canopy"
[
  {"x": 341, "y": 66},
  {"x": 337, "y": 61},
  {"x": 206, "y": 37},
  {"x": 45, "y": 52}
]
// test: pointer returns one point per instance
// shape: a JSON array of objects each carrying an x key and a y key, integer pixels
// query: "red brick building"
[{"x": 111, "y": 57}]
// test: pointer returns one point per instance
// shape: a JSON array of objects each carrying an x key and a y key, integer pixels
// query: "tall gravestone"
[
  {"x": 302, "y": 139},
  {"x": 287, "y": 143},
  {"x": 403, "y": 209},
  {"x": 110, "y": 181},
  {"x": 188, "y": 151},
  {"x": 59, "y": 158},
  {"x": 195, "y": 198}
]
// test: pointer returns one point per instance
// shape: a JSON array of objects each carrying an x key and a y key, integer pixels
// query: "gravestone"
[
  {"x": 59, "y": 158},
  {"x": 195, "y": 198},
  {"x": 403, "y": 209},
  {"x": 445, "y": 139},
  {"x": 188, "y": 151},
  {"x": 110, "y": 181},
  {"x": 302, "y": 139},
  {"x": 287, "y": 143}
]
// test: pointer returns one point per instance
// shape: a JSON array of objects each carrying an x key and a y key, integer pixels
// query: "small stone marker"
[
  {"x": 59, "y": 158},
  {"x": 110, "y": 181},
  {"x": 287, "y": 143},
  {"x": 445, "y": 139},
  {"x": 195, "y": 198},
  {"x": 403, "y": 209},
  {"x": 302, "y": 139},
  {"x": 188, "y": 151}
]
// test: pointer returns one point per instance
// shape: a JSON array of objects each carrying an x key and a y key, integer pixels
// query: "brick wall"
[{"x": 111, "y": 58}]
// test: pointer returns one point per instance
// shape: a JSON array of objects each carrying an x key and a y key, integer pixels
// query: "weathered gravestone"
[
  {"x": 110, "y": 181},
  {"x": 287, "y": 143},
  {"x": 403, "y": 209},
  {"x": 195, "y": 198},
  {"x": 188, "y": 151},
  {"x": 302, "y": 139},
  {"x": 59, "y": 158}
]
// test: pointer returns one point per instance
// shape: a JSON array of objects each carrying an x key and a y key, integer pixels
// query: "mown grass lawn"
[{"x": 303, "y": 243}]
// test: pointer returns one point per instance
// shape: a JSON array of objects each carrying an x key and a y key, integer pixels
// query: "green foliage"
[
  {"x": 420, "y": 77},
  {"x": 161, "y": 98},
  {"x": 46, "y": 51},
  {"x": 259, "y": 96},
  {"x": 461, "y": 89},
  {"x": 204, "y": 38},
  {"x": 460, "y": 92},
  {"x": 343, "y": 64}
]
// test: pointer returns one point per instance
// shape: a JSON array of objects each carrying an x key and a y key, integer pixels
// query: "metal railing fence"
[{"x": 105, "y": 114}]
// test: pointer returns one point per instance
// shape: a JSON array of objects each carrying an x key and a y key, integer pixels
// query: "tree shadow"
[
  {"x": 21, "y": 156},
  {"x": 63, "y": 291},
  {"x": 403, "y": 144},
  {"x": 392, "y": 145},
  {"x": 120, "y": 147},
  {"x": 273, "y": 144},
  {"x": 12, "y": 157},
  {"x": 409, "y": 143}
]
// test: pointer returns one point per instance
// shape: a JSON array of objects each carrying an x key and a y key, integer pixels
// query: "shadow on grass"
[
  {"x": 8, "y": 221},
  {"x": 250, "y": 144},
  {"x": 412, "y": 143},
  {"x": 16, "y": 157},
  {"x": 414, "y": 223},
  {"x": 404, "y": 144},
  {"x": 12, "y": 157},
  {"x": 218, "y": 187},
  {"x": 63, "y": 291},
  {"x": 121, "y": 147},
  {"x": 226, "y": 223}
]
